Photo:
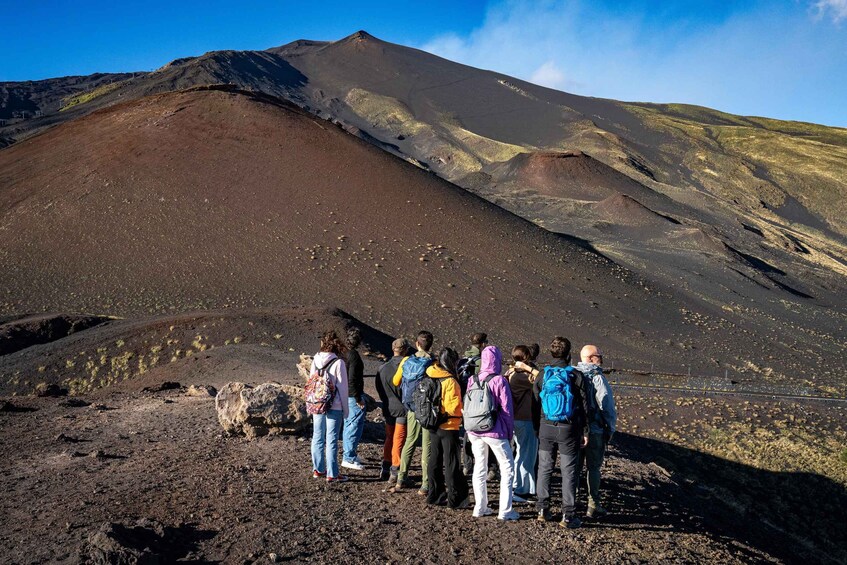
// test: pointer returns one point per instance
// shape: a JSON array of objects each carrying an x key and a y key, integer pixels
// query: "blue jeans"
[
  {"x": 326, "y": 428},
  {"x": 525, "y": 454},
  {"x": 353, "y": 427}
]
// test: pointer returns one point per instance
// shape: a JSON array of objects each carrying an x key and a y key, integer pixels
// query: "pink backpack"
[{"x": 320, "y": 389}]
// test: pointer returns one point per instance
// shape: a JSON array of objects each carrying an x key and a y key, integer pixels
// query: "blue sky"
[{"x": 779, "y": 58}]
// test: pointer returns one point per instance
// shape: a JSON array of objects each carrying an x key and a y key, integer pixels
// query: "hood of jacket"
[
  {"x": 588, "y": 368},
  {"x": 322, "y": 358},
  {"x": 437, "y": 372},
  {"x": 491, "y": 362},
  {"x": 473, "y": 351}
]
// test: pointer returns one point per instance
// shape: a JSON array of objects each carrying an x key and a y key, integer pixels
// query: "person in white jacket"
[{"x": 327, "y": 427}]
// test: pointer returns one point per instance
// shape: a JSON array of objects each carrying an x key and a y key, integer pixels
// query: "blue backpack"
[
  {"x": 414, "y": 370},
  {"x": 557, "y": 400}
]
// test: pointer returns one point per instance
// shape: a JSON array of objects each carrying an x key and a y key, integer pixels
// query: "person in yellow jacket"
[{"x": 447, "y": 483}]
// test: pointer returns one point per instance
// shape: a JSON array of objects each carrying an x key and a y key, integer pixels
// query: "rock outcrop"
[
  {"x": 203, "y": 391},
  {"x": 269, "y": 408},
  {"x": 50, "y": 389},
  {"x": 117, "y": 543}
]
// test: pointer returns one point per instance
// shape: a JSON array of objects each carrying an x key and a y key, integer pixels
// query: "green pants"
[
  {"x": 594, "y": 452},
  {"x": 413, "y": 431}
]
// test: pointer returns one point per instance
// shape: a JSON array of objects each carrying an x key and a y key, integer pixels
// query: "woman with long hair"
[
  {"x": 329, "y": 362},
  {"x": 447, "y": 483}
]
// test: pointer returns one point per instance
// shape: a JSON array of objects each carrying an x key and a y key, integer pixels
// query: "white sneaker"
[
  {"x": 519, "y": 499},
  {"x": 509, "y": 516},
  {"x": 483, "y": 512},
  {"x": 355, "y": 465}
]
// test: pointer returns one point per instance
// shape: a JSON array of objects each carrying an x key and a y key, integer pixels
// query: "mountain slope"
[{"x": 727, "y": 231}]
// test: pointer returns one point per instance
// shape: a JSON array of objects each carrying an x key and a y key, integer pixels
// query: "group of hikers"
[{"x": 463, "y": 409}]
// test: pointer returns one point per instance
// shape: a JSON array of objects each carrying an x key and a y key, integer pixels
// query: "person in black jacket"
[
  {"x": 393, "y": 411},
  {"x": 566, "y": 438},
  {"x": 354, "y": 424}
]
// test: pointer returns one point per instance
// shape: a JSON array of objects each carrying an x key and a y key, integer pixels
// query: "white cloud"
[
  {"x": 837, "y": 9},
  {"x": 770, "y": 60},
  {"x": 549, "y": 74}
]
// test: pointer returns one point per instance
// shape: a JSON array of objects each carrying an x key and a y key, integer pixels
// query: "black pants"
[
  {"x": 562, "y": 438},
  {"x": 444, "y": 468}
]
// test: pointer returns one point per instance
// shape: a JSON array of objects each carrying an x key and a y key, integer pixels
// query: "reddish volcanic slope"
[{"x": 214, "y": 198}]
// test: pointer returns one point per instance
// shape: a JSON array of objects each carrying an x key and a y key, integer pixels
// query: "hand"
[
  {"x": 584, "y": 441},
  {"x": 360, "y": 404},
  {"x": 521, "y": 366}
]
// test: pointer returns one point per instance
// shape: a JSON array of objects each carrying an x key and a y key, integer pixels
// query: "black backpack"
[
  {"x": 427, "y": 403},
  {"x": 465, "y": 370}
]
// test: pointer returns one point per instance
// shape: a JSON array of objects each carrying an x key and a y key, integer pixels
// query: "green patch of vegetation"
[{"x": 89, "y": 95}]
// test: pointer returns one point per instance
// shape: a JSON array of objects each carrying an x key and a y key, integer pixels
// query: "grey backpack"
[{"x": 479, "y": 407}]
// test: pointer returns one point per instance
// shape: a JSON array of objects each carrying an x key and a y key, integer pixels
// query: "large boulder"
[{"x": 269, "y": 408}]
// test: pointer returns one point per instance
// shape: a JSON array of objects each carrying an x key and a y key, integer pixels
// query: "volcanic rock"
[
  {"x": 119, "y": 544},
  {"x": 44, "y": 389},
  {"x": 206, "y": 391},
  {"x": 258, "y": 411},
  {"x": 74, "y": 403},
  {"x": 168, "y": 385}
]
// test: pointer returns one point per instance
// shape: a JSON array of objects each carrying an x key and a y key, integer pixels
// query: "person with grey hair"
[
  {"x": 393, "y": 411},
  {"x": 601, "y": 424}
]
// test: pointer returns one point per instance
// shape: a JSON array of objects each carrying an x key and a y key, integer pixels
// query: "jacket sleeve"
[
  {"x": 536, "y": 400},
  {"x": 341, "y": 383},
  {"x": 536, "y": 386},
  {"x": 579, "y": 381},
  {"x": 451, "y": 401},
  {"x": 380, "y": 388},
  {"x": 605, "y": 402},
  {"x": 398, "y": 374},
  {"x": 507, "y": 408}
]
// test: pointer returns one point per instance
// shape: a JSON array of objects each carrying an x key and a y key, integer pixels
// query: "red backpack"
[{"x": 320, "y": 389}]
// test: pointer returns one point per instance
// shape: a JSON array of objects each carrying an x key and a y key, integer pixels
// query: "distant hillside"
[{"x": 739, "y": 217}]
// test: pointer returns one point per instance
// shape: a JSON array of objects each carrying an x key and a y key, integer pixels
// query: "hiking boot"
[
  {"x": 385, "y": 472},
  {"x": 318, "y": 475},
  {"x": 355, "y": 465},
  {"x": 544, "y": 515},
  {"x": 571, "y": 523},
  {"x": 509, "y": 516},
  {"x": 518, "y": 498},
  {"x": 338, "y": 479},
  {"x": 423, "y": 491},
  {"x": 400, "y": 486},
  {"x": 484, "y": 512},
  {"x": 466, "y": 503},
  {"x": 596, "y": 512}
]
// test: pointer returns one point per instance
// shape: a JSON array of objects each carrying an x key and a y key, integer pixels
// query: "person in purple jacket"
[{"x": 497, "y": 441}]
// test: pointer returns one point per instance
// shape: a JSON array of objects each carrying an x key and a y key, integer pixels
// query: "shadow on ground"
[{"x": 795, "y": 517}]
